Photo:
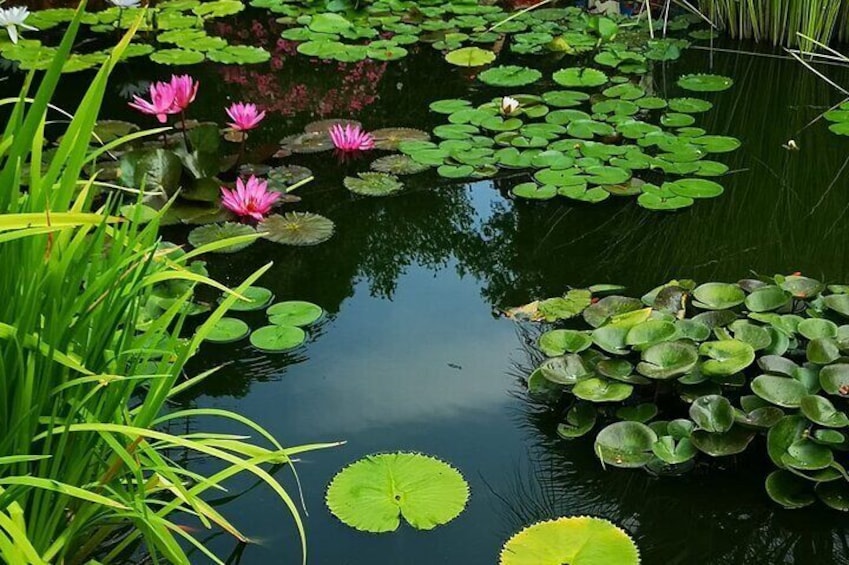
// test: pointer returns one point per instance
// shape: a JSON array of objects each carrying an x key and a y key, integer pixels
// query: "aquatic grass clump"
[
  {"x": 690, "y": 372},
  {"x": 86, "y": 458}
]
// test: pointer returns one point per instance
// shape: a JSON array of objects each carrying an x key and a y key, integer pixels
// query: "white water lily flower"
[
  {"x": 12, "y": 18},
  {"x": 509, "y": 105},
  {"x": 123, "y": 4}
]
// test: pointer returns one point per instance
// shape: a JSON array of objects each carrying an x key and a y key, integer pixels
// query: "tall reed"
[
  {"x": 779, "y": 21},
  {"x": 85, "y": 468}
]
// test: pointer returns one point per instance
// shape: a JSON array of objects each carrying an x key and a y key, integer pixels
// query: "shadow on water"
[{"x": 410, "y": 356}]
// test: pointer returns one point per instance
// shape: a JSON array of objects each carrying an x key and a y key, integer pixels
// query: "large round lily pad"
[
  {"x": 732, "y": 442},
  {"x": 625, "y": 444},
  {"x": 668, "y": 359},
  {"x": 576, "y": 540},
  {"x": 373, "y": 493},
  {"x": 705, "y": 83},
  {"x": 373, "y": 184},
  {"x": 820, "y": 410},
  {"x": 227, "y": 330},
  {"x": 579, "y": 77},
  {"x": 789, "y": 490},
  {"x": 712, "y": 413},
  {"x": 509, "y": 75},
  {"x": 256, "y": 297},
  {"x": 294, "y": 313},
  {"x": 781, "y": 391},
  {"x": 470, "y": 57},
  {"x": 726, "y": 357},
  {"x": 718, "y": 296},
  {"x": 558, "y": 342},
  {"x": 297, "y": 228},
  {"x": 834, "y": 379},
  {"x": 278, "y": 338},
  {"x": 210, "y": 233},
  {"x": 602, "y": 390}
]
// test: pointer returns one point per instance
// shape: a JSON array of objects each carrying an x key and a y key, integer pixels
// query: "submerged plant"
[
  {"x": 250, "y": 199},
  {"x": 350, "y": 138}
]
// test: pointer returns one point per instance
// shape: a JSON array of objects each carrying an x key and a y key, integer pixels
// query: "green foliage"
[
  {"x": 577, "y": 540},
  {"x": 373, "y": 493},
  {"x": 759, "y": 357},
  {"x": 86, "y": 470}
]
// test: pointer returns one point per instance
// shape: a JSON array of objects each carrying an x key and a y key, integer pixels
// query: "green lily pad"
[
  {"x": 470, "y": 57},
  {"x": 625, "y": 444},
  {"x": 278, "y": 338},
  {"x": 177, "y": 57},
  {"x": 781, "y": 391},
  {"x": 817, "y": 328},
  {"x": 256, "y": 297},
  {"x": 210, "y": 233},
  {"x": 227, "y": 330},
  {"x": 575, "y": 539},
  {"x": 640, "y": 413},
  {"x": 565, "y": 98},
  {"x": 806, "y": 455},
  {"x": 398, "y": 165},
  {"x": 732, "y": 442},
  {"x": 579, "y": 77},
  {"x": 449, "y": 106},
  {"x": 834, "y": 379},
  {"x": 650, "y": 332},
  {"x": 839, "y": 303},
  {"x": 373, "y": 493},
  {"x": 822, "y": 351},
  {"x": 297, "y": 228},
  {"x": 789, "y": 490},
  {"x": 696, "y": 188},
  {"x": 668, "y": 359},
  {"x": 673, "y": 452},
  {"x": 726, "y": 357},
  {"x": 601, "y": 390},
  {"x": 509, "y": 75},
  {"x": 821, "y": 411},
  {"x": 564, "y": 370},
  {"x": 712, "y": 413},
  {"x": 239, "y": 55},
  {"x": 782, "y": 435},
  {"x": 705, "y": 83},
  {"x": 689, "y": 105},
  {"x": 580, "y": 419},
  {"x": 294, "y": 313},
  {"x": 802, "y": 287},
  {"x": 557, "y": 342},
  {"x": 373, "y": 184},
  {"x": 835, "y": 494}
]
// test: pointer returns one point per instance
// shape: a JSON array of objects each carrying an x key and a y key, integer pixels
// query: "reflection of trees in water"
[{"x": 718, "y": 514}]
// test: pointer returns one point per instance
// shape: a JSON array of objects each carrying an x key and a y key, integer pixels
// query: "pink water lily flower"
[
  {"x": 250, "y": 199},
  {"x": 161, "y": 102},
  {"x": 185, "y": 89},
  {"x": 245, "y": 116},
  {"x": 351, "y": 138}
]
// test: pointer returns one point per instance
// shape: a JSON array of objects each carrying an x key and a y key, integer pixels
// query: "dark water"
[{"x": 411, "y": 357}]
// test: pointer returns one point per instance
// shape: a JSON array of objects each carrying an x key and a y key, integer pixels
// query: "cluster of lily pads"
[
  {"x": 839, "y": 118},
  {"x": 172, "y": 33},
  {"x": 761, "y": 357},
  {"x": 373, "y": 494},
  {"x": 285, "y": 330},
  {"x": 610, "y": 147},
  {"x": 384, "y": 29}
]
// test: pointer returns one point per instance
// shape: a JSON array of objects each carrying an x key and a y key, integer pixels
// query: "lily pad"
[
  {"x": 820, "y": 410},
  {"x": 668, "y": 359},
  {"x": 294, "y": 313},
  {"x": 580, "y": 419},
  {"x": 718, "y": 296},
  {"x": 297, "y": 228},
  {"x": 227, "y": 330},
  {"x": 625, "y": 444},
  {"x": 574, "y": 77},
  {"x": 373, "y": 184},
  {"x": 602, "y": 390},
  {"x": 398, "y": 165},
  {"x": 705, "y": 83},
  {"x": 731, "y": 442},
  {"x": 781, "y": 391},
  {"x": 509, "y": 75},
  {"x": 712, "y": 413},
  {"x": 470, "y": 57},
  {"x": 278, "y": 338},
  {"x": 557, "y": 342},
  {"x": 789, "y": 490},
  {"x": 210, "y": 233},
  {"x": 726, "y": 357},
  {"x": 580, "y": 540},
  {"x": 374, "y": 493},
  {"x": 256, "y": 298}
]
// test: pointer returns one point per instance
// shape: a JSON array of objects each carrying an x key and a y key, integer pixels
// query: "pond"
[{"x": 413, "y": 353}]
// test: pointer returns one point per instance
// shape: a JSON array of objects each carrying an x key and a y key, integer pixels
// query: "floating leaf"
[
  {"x": 227, "y": 330},
  {"x": 177, "y": 57},
  {"x": 373, "y": 493},
  {"x": 579, "y": 77},
  {"x": 580, "y": 540},
  {"x": 580, "y": 419},
  {"x": 726, "y": 357},
  {"x": 509, "y": 75},
  {"x": 470, "y": 57},
  {"x": 210, "y": 233},
  {"x": 601, "y": 390},
  {"x": 297, "y": 228},
  {"x": 373, "y": 184},
  {"x": 705, "y": 83},
  {"x": 390, "y": 138},
  {"x": 294, "y": 313},
  {"x": 712, "y": 413},
  {"x": 278, "y": 338},
  {"x": 257, "y": 297},
  {"x": 398, "y": 165},
  {"x": 789, "y": 490},
  {"x": 625, "y": 444}
]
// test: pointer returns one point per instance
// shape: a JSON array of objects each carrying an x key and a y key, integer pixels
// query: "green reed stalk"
[{"x": 84, "y": 469}]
